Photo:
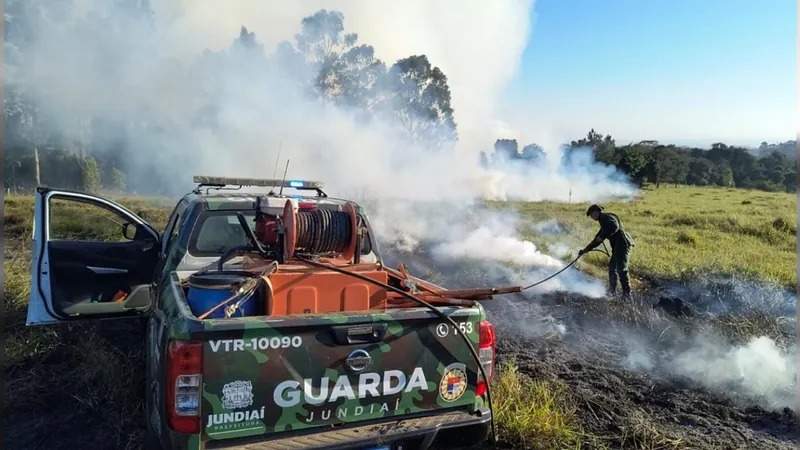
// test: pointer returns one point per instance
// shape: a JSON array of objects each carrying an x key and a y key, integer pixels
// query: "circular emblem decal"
[
  {"x": 358, "y": 360},
  {"x": 453, "y": 383}
]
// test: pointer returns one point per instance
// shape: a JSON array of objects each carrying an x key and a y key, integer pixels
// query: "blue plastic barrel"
[{"x": 209, "y": 289}]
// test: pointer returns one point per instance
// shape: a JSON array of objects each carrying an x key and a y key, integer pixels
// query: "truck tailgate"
[{"x": 269, "y": 376}]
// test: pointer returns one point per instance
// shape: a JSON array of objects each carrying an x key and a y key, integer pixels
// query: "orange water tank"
[{"x": 324, "y": 291}]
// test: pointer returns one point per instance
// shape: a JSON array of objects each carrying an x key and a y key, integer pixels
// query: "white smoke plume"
[
  {"x": 147, "y": 75},
  {"x": 488, "y": 240},
  {"x": 762, "y": 368},
  {"x": 483, "y": 243},
  {"x": 759, "y": 369},
  {"x": 93, "y": 58}
]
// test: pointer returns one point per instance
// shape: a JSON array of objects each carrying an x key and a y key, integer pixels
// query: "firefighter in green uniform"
[{"x": 611, "y": 228}]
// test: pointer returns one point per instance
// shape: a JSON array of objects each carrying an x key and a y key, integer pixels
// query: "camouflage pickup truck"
[{"x": 271, "y": 321}]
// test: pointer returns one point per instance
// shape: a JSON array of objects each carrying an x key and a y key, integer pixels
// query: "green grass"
[
  {"x": 534, "y": 414},
  {"x": 537, "y": 415},
  {"x": 72, "y": 220},
  {"x": 686, "y": 231}
]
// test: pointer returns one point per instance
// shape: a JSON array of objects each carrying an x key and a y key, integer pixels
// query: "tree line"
[
  {"x": 323, "y": 62},
  {"x": 770, "y": 167}
]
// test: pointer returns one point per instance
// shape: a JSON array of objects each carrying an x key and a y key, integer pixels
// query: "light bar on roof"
[{"x": 260, "y": 182}]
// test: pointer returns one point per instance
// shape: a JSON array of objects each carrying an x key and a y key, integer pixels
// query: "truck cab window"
[
  {"x": 220, "y": 232},
  {"x": 74, "y": 220}
]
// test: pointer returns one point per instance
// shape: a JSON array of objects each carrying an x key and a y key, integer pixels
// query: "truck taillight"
[
  {"x": 184, "y": 384},
  {"x": 486, "y": 354}
]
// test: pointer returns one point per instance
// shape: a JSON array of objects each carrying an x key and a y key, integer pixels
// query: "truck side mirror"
[{"x": 129, "y": 231}]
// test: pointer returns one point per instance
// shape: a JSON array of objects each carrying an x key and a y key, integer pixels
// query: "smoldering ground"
[
  {"x": 638, "y": 373},
  {"x": 474, "y": 246},
  {"x": 737, "y": 342},
  {"x": 722, "y": 376}
]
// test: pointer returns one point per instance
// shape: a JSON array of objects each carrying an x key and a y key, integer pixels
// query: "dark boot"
[
  {"x": 626, "y": 284},
  {"x": 612, "y": 277}
]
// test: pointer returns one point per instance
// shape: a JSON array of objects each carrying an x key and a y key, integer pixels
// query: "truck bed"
[{"x": 263, "y": 376}]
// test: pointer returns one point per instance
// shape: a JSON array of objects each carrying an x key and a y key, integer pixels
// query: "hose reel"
[{"x": 314, "y": 230}]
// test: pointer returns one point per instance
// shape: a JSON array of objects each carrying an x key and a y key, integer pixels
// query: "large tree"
[
  {"x": 602, "y": 147},
  {"x": 358, "y": 73},
  {"x": 339, "y": 69},
  {"x": 702, "y": 172},
  {"x": 416, "y": 97},
  {"x": 633, "y": 161},
  {"x": 533, "y": 153},
  {"x": 506, "y": 148},
  {"x": 661, "y": 164}
]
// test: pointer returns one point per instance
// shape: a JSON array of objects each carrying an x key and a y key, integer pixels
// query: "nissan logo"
[{"x": 358, "y": 360}]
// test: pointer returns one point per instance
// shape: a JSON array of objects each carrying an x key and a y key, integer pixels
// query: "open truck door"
[{"x": 91, "y": 258}]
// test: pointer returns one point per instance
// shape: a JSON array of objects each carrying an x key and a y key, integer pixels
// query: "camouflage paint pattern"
[{"x": 246, "y": 360}]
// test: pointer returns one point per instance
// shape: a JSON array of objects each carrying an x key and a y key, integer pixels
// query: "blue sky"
[{"x": 684, "y": 71}]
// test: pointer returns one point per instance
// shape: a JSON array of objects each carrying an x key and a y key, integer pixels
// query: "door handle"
[{"x": 359, "y": 334}]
